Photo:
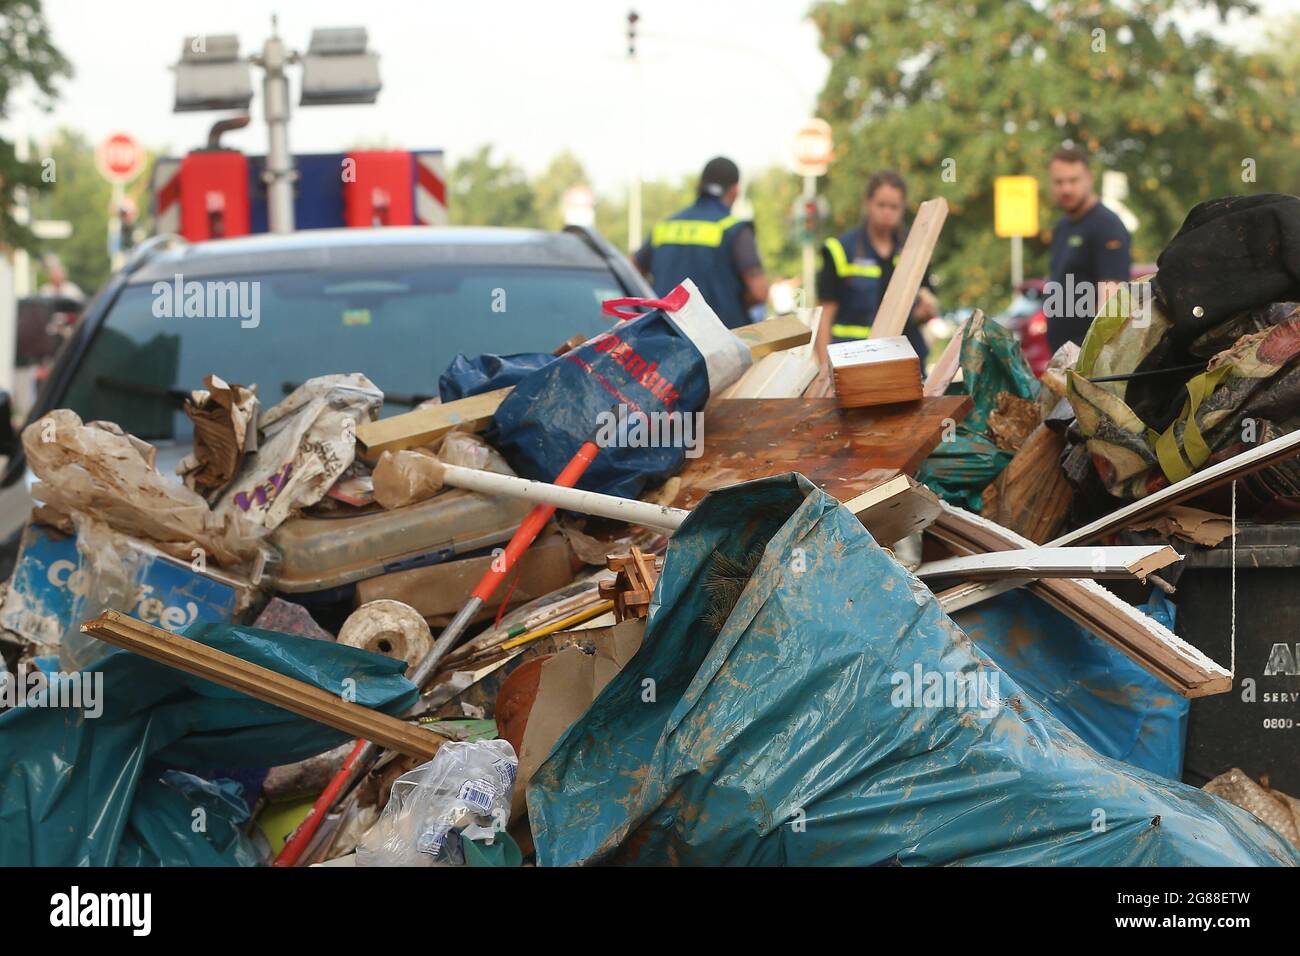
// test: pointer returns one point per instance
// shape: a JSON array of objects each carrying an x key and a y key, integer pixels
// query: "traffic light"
[{"x": 632, "y": 19}]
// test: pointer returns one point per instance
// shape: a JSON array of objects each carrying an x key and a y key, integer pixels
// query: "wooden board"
[
  {"x": 426, "y": 425},
  {"x": 302, "y": 698},
  {"x": 1031, "y": 496},
  {"x": 844, "y": 451},
  {"x": 895, "y": 509},
  {"x": 1124, "y": 561},
  {"x": 1143, "y": 639},
  {"x": 900, "y": 295}
]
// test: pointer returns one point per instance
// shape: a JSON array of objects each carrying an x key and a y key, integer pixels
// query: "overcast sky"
[{"x": 531, "y": 78}]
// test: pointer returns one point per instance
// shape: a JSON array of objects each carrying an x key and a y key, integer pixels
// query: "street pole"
[
  {"x": 809, "y": 247},
  {"x": 279, "y": 175},
  {"x": 1017, "y": 262},
  {"x": 116, "y": 254},
  {"x": 634, "y": 191}
]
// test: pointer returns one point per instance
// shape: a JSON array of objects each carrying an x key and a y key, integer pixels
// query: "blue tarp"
[
  {"x": 472, "y": 375},
  {"x": 1119, "y": 709},
  {"x": 805, "y": 730},
  {"x": 77, "y": 790}
]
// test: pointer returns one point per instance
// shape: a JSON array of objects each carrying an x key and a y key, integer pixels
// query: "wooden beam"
[
  {"x": 1279, "y": 449},
  {"x": 301, "y": 698},
  {"x": 895, "y": 509},
  {"x": 949, "y": 364},
  {"x": 900, "y": 296},
  {"x": 1148, "y": 643},
  {"x": 426, "y": 425},
  {"x": 1133, "y": 561}
]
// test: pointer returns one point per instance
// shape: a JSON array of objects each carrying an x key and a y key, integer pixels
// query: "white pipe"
[{"x": 587, "y": 502}]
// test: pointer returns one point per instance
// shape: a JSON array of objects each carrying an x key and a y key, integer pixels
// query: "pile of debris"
[{"x": 642, "y": 601}]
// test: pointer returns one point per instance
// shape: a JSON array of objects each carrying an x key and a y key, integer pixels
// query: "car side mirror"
[{"x": 8, "y": 437}]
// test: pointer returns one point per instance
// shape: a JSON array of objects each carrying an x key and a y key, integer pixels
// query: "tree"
[
  {"x": 563, "y": 173},
  {"x": 484, "y": 193},
  {"x": 953, "y": 95},
  {"x": 660, "y": 198},
  {"x": 78, "y": 194},
  {"x": 27, "y": 55},
  {"x": 774, "y": 194}
]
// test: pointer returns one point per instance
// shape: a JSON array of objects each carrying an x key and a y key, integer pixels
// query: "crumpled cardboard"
[
  {"x": 97, "y": 469},
  {"x": 1190, "y": 524},
  {"x": 306, "y": 442},
  {"x": 225, "y": 428}
]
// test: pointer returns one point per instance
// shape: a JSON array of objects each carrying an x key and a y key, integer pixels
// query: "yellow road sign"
[{"x": 1015, "y": 206}]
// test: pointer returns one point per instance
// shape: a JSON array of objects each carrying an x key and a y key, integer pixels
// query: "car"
[{"x": 396, "y": 304}]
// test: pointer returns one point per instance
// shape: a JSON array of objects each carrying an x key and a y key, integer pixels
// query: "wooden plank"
[
  {"x": 1143, "y": 639},
  {"x": 895, "y": 509},
  {"x": 1128, "y": 561},
  {"x": 776, "y": 334},
  {"x": 900, "y": 296},
  {"x": 301, "y": 698},
  {"x": 844, "y": 451},
  {"x": 1032, "y": 496},
  {"x": 426, "y": 425},
  {"x": 1279, "y": 449},
  {"x": 945, "y": 370}
]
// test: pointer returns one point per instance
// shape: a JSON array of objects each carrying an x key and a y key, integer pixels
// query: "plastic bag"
[
  {"x": 97, "y": 469},
  {"x": 473, "y": 375},
  {"x": 828, "y": 712},
  {"x": 306, "y": 442},
  {"x": 992, "y": 363},
  {"x": 464, "y": 792},
  {"x": 662, "y": 365}
]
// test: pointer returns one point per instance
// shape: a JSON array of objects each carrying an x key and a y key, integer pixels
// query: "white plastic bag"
[{"x": 464, "y": 792}]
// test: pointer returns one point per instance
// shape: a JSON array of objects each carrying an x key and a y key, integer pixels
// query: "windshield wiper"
[{"x": 397, "y": 398}]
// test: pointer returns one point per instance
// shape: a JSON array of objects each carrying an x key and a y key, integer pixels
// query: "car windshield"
[{"x": 401, "y": 328}]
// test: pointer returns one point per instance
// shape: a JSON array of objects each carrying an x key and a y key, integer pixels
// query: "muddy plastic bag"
[
  {"x": 992, "y": 364},
  {"x": 306, "y": 442},
  {"x": 821, "y": 709},
  {"x": 97, "y": 469},
  {"x": 463, "y": 793}
]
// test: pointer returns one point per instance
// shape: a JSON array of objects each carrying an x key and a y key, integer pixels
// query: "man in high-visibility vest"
[
  {"x": 857, "y": 267},
  {"x": 707, "y": 244}
]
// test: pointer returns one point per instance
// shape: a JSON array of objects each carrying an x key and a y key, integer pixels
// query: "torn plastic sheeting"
[
  {"x": 792, "y": 714},
  {"x": 1115, "y": 706},
  {"x": 69, "y": 783}
]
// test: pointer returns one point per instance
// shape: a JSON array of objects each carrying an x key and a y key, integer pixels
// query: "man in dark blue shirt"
[{"x": 1090, "y": 250}]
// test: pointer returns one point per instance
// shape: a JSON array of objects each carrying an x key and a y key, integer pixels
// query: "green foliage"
[
  {"x": 983, "y": 88},
  {"x": 485, "y": 193},
  {"x": 78, "y": 194},
  {"x": 660, "y": 198},
  {"x": 27, "y": 56},
  {"x": 774, "y": 193},
  {"x": 563, "y": 173}
]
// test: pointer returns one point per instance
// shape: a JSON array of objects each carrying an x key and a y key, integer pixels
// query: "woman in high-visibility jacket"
[{"x": 857, "y": 266}]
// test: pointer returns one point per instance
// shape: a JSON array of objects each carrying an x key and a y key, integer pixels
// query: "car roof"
[{"x": 391, "y": 247}]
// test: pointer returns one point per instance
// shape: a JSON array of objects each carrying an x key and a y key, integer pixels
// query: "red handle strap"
[{"x": 672, "y": 302}]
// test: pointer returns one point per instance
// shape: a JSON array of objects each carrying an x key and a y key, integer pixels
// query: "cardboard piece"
[{"x": 569, "y": 682}]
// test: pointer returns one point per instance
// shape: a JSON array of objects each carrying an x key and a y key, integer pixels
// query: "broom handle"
[{"x": 660, "y": 517}]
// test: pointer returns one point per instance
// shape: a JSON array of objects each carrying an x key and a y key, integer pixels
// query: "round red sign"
[{"x": 119, "y": 158}]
